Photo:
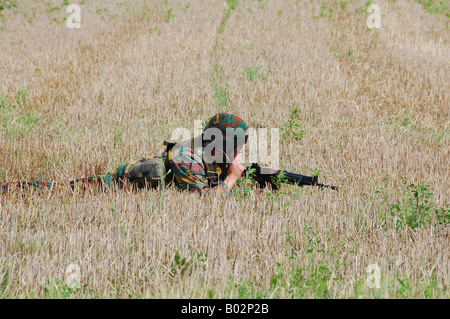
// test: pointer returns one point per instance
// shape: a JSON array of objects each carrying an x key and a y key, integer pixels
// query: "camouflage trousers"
[{"x": 144, "y": 172}]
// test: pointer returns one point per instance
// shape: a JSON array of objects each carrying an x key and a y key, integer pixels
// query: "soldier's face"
[{"x": 219, "y": 157}]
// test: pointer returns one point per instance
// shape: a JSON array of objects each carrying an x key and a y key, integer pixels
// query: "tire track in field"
[{"x": 216, "y": 76}]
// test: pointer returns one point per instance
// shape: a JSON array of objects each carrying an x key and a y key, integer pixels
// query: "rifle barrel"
[
  {"x": 264, "y": 175},
  {"x": 336, "y": 188}
]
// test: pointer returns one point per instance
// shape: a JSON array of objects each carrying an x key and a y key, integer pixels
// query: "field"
[{"x": 365, "y": 108}]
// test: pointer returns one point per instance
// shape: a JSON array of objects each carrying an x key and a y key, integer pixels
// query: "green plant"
[
  {"x": 221, "y": 97},
  {"x": 183, "y": 265},
  {"x": 278, "y": 179},
  {"x": 218, "y": 84},
  {"x": 5, "y": 102},
  {"x": 325, "y": 12},
  {"x": 405, "y": 121},
  {"x": 100, "y": 11},
  {"x": 247, "y": 290},
  {"x": 4, "y": 278},
  {"x": 254, "y": 73},
  {"x": 179, "y": 265},
  {"x": 169, "y": 15},
  {"x": 243, "y": 47},
  {"x": 50, "y": 9},
  {"x": 246, "y": 183},
  {"x": 292, "y": 128},
  {"x": 435, "y": 8},
  {"x": 311, "y": 279},
  {"x": 117, "y": 138},
  {"x": 405, "y": 287},
  {"x": 367, "y": 5},
  {"x": 7, "y": 4},
  {"x": 21, "y": 98},
  {"x": 56, "y": 289},
  {"x": 232, "y": 4},
  {"x": 125, "y": 4},
  {"x": 418, "y": 208}
]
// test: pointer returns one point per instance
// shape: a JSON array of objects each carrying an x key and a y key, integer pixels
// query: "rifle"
[{"x": 268, "y": 176}]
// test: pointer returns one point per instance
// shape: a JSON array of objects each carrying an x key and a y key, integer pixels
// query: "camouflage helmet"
[{"x": 232, "y": 128}]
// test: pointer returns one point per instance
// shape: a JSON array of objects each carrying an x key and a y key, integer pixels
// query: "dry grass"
[{"x": 375, "y": 111}]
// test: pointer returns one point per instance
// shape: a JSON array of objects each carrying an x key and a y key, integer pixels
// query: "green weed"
[
  {"x": 405, "y": 121},
  {"x": 117, "y": 138},
  {"x": 254, "y": 73},
  {"x": 21, "y": 98},
  {"x": 7, "y": 4},
  {"x": 418, "y": 208},
  {"x": 293, "y": 129},
  {"x": 4, "y": 282},
  {"x": 311, "y": 279},
  {"x": 56, "y": 289},
  {"x": 125, "y": 4},
  {"x": 186, "y": 265},
  {"x": 246, "y": 184},
  {"x": 243, "y": 47},
  {"x": 435, "y": 8},
  {"x": 325, "y": 12},
  {"x": 101, "y": 11},
  {"x": 51, "y": 9},
  {"x": 218, "y": 84},
  {"x": 170, "y": 15},
  {"x": 5, "y": 102}
]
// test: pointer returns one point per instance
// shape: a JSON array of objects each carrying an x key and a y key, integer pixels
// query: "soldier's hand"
[
  {"x": 236, "y": 169},
  {"x": 234, "y": 172}
]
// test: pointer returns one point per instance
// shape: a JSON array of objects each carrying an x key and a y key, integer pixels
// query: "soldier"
[{"x": 204, "y": 164}]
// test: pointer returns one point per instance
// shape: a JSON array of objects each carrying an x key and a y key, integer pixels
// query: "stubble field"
[{"x": 366, "y": 109}]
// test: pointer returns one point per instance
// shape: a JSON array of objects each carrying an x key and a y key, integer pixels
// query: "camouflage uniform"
[{"x": 181, "y": 164}]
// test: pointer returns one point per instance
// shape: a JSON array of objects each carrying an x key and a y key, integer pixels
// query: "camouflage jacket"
[{"x": 181, "y": 165}]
